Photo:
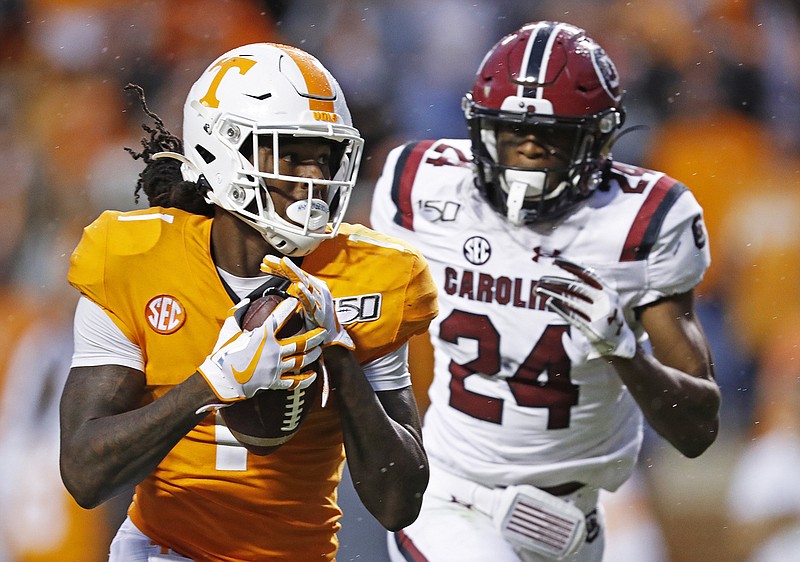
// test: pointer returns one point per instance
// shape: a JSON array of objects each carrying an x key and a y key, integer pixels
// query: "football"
[
  {"x": 272, "y": 417},
  {"x": 259, "y": 309}
]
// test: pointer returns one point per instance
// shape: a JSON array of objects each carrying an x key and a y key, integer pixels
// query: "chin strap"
[
  {"x": 522, "y": 184},
  {"x": 175, "y": 156},
  {"x": 187, "y": 164}
]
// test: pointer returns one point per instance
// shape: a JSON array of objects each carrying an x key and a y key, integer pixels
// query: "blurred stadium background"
[{"x": 715, "y": 83}]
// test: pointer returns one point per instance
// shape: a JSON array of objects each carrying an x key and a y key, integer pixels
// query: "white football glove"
[
  {"x": 244, "y": 361},
  {"x": 314, "y": 295},
  {"x": 590, "y": 305}
]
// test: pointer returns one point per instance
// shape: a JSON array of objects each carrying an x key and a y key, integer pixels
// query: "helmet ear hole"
[{"x": 207, "y": 157}]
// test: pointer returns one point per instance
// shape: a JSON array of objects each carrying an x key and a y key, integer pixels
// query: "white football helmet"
[{"x": 274, "y": 91}]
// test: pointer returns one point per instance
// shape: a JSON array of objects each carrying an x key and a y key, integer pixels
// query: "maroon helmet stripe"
[
  {"x": 404, "y": 174},
  {"x": 647, "y": 224},
  {"x": 407, "y": 548}
]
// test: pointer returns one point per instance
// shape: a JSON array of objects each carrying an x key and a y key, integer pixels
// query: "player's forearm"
[
  {"x": 681, "y": 408},
  {"x": 385, "y": 457},
  {"x": 390, "y": 474},
  {"x": 104, "y": 455}
]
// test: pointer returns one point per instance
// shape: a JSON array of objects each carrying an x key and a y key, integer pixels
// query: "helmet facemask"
[
  {"x": 308, "y": 221},
  {"x": 526, "y": 195}
]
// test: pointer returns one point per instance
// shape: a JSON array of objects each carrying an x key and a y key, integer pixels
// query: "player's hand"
[
  {"x": 244, "y": 362},
  {"x": 591, "y": 305},
  {"x": 315, "y": 297}
]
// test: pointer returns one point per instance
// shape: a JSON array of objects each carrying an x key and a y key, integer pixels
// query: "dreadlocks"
[{"x": 161, "y": 180}]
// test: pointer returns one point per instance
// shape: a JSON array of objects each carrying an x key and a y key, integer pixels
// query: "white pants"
[
  {"x": 456, "y": 524},
  {"x": 132, "y": 545}
]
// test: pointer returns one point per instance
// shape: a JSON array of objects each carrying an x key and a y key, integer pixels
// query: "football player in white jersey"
[{"x": 566, "y": 306}]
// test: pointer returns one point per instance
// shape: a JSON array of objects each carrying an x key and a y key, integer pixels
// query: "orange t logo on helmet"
[
  {"x": 241, "y": 63},
  {"x": 320, "y": 93}
]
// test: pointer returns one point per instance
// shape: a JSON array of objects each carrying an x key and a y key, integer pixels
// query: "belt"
[
  {"x": 447, "y": 485},
  {"x": 564, "y": 489}
]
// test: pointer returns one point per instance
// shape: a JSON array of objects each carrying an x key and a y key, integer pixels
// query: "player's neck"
[{"x": 237, "y": 247}]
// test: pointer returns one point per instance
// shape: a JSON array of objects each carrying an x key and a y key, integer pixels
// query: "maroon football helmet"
[{"x": 555, "y": 79}]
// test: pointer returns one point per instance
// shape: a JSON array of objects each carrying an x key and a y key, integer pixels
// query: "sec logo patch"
[
  {"x": 477, "y": 250},
  {"x": 165, "y": 314}
]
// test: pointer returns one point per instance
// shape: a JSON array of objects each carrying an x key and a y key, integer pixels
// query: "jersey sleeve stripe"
[
  {"x": 647, "y": 224},
  {"x": 407, "y": 548},
  {"x": 404, "y": 174}
]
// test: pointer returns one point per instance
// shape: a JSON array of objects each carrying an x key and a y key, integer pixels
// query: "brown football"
[
  {"x": 271, "y": 417},
  {"x": 259, "y": 309}
]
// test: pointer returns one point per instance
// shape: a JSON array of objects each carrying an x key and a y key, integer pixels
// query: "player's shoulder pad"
[
  {"x": 655, "y": 201},
  {"x": 395, "y": 270},
  {"x": 361, "y": 255},
  {"x": 120, "y": 237},
  {"x": 668, "y": 231},
  {"x": 420, "y": 171},
  {"x": 136, "y": 232},
  {"x": 423, "y": 162},
  {"x": 357, "y": 248},
  {"x": 356, "y": 234}
]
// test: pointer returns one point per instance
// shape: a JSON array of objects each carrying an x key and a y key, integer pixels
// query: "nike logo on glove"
[{"x": 247, "y": 374}]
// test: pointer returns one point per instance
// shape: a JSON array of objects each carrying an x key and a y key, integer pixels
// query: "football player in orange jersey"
[{"x": 265, "y": 168}]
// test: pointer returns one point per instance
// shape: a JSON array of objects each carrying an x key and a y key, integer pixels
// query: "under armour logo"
[
  {"x": 539, "y": 253},
  {"x": 454, "y": 499}
]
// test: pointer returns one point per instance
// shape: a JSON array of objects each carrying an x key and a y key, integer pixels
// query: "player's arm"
[
  {"x": 382, "y": 440},
  {"x": 382, "y": 437},
  {"x": 109, "y": 443},
  {"x": 675, "y": 387}
]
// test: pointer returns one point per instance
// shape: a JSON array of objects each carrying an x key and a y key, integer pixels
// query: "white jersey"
[{"x": 508, "y": 406}]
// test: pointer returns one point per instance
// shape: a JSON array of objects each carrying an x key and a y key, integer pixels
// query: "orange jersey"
[{"x": 152, "y": 272}]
